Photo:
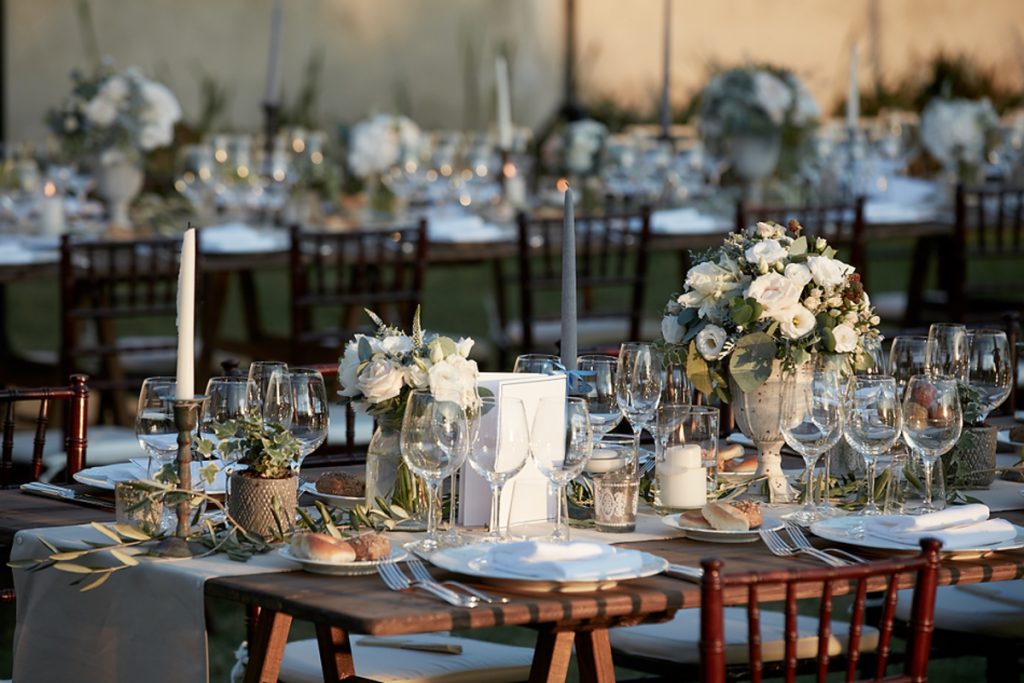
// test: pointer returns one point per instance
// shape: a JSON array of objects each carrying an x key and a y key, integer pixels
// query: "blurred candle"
[
  {"x": 504, "y": 104},
  {"x": 682, "y": 482},
  {"x": 51, "y": 211},
  {"x": 666, "y": 115},
  {"x": 272, "y": 94},
  {"x": 853, "y": 96},
  {"x": 569, "y": 284},
  {"x": 186, "y": 317}
]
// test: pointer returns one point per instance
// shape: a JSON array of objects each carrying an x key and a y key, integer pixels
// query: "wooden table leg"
[
  {"x": 266, "y": 651},
  {"x": 594, "y": 657},
  {"x": 551, "y": 656},
  {"x": 336, "y": 655}
]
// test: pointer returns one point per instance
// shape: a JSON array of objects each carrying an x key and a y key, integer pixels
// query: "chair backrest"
[
  {"x": 717, "y": 588},
  {"x": 76, "y": 414},
  {"x": 611, "y": 257},
  {"x": 109, "y": 284},
  {"x": 338, "y": 274},
  {"x": 842, "y": 224}
]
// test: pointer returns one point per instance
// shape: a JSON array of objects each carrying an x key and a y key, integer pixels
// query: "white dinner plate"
[
  {"x": 846, "y": 530},
  {"x": 107, "y": 476},
  {"x": 343, "y": 502},
  {"x": 360, "y": 568},
  {"x": 719, "y": 536},
  {"x": 471, "y": 560},
  {"x": 1003, "y": 437}
]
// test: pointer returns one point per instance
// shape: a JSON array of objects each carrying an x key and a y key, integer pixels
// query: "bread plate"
[
  {"x": 721, "y": 536},
  {"x": 356, "y": 568},
  {"x": 343, "y": 502}
]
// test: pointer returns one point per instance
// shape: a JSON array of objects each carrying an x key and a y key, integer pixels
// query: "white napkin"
[
  {"x": 960, "y": 526},
  {"x": 448, "y": 227},
  {"x": 239, "y": 238},
  {"x": 12, "y": 253},
  {"x": 119, "y": 471},
  {"x": 685, "y": 221},
  {"x": 568, "y": 561}
]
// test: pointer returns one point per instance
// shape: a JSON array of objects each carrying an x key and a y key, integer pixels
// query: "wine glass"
[
  {"x": 226, "y": 401},
  {"x": 499, "y": 452},
  {"x": 260, "y": 374},
  {"x": 932, "y": 421},
  {"x": 154, "y": 422},
  {"x": 543, "y": 363},
  {"x": 561, "y": 442},
  {"x": 872, "y": 359},
  {"x": 873, "y": 424},
  {"x": 427, "y": 424},
  {"x": 278, "y": 402},
  {"x": 638, "y": 386},
  {"x": 676, "y": 386},
  {"x": 947, "y": 350},
  {"x": 908, "y": 356},
  {"x": 598, "y": 372},
  {"x": 989, "y": 368},
  {"x": 811, "y": 423},
  {"x": 310, "y": 412}
]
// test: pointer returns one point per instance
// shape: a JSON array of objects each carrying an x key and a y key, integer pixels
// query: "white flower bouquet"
[
  {"x": 958, "y": 133},
  {"x": 113, "y": 113},
  {"x": 764, "y": 295},
  {"x": 755, "y": 102},
  {"x": 379, "y": 143},
  {"x": 577, "y": 150}
]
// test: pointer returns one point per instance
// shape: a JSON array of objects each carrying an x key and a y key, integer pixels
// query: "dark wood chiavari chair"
[{"x": 106, "y": 285}]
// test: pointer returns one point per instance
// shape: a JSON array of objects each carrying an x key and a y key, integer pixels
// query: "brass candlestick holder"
[{"x": 186, "y": 417}]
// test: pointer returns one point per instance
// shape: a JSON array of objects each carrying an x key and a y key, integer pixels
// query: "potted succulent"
[
  {"x": 971, "y": 464},
  {"x": 263, "y": 496}
]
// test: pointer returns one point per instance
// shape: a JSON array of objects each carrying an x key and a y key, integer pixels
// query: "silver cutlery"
[
  {"x": 681, "y": 571},
  {"x": 40, "y": 488},
  {"x": 779, "y": 547},
  {"x": 395, "y": 579},
  {"x": 799, "y": 539},
  {"x": 419, "y": 571}
]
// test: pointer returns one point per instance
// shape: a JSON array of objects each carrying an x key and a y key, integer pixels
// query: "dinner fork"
[
  {"x": 779, "y": 547},
  {"x": 420, "y": 572},
  {"x": 396, "y": 580},
  {"x": 799, "y": 539}
]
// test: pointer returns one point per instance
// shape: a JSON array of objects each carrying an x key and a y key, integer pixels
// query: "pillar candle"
[
  {"x": 604, "y": 460},
  {"x": 853, "y": 96},
  {"x": 569, "y": 284},
  {"x": 504, "y": 104},
  {"x": 51, "y": 211},
  {"x": 186, "y": 317},
  {"x": 272, "y": 92},
  {"x": 682, "y": 482}
]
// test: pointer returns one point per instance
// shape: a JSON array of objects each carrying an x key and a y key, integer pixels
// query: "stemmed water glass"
[
  {"x": 599, "y": 373},
  {"x": 561, "y": 444},
  {"x": 426, "y": 425},
  {"x": 154, "y": 422},
  {"x": 932, "y": 421},
  {"x": 811, "y": 423},
  {"x": 310, "y": 411},
  {"x": 261, "y": 373},
  {"x": 542, "y": 363},
  {"x": 226, "y": 401},
  {"x": 908, "y": 356},
  {"x": 947, "y": 350},
  {"x": 638, "y": 386},
  {"x": 499, "y": 452},
  {"x": 873, "y": 424},
  {"x": 989, "y": 368}
]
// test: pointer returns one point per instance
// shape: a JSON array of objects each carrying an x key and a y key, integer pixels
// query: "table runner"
[{"x": 146, "y": 623}]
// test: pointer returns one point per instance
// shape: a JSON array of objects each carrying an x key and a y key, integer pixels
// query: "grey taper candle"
[
  {"x": 666, "y": 112},
  {"x": 569, "y": 285}
]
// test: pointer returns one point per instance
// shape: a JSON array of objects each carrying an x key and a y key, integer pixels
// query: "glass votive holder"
[
  {"x": 613, "y": 471},
  {"x": 134, "y": 506},
  {"x": 687, "y": 462}
]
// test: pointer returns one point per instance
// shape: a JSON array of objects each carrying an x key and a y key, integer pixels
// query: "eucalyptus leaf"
[
  {"x": 697, "y": 371},
  {"x": 798, "y": 247},
  {"x": 751, "y": 362},
  {"x": 365, "y": 350},
  {"x": 693, "y": 331}
]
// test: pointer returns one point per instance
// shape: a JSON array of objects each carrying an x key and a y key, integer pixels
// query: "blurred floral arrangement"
[
  {"x": 115, "y": 112},
  {"x": 957, "y": 133},
  {"x": 379, "y": 143},
  {"x": 768, "y": 293},
  {"x": 577, "y": 149}
]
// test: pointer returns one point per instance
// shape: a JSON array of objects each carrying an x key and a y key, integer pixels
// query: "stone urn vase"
[
  {"x": 118, "y": 181},
  {"x": 754, "y": 159},
  {"x": 263, "y": 506},
  {"x": 758, "y": 415}
]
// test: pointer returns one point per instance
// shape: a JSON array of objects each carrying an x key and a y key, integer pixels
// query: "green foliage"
[
  {"x": 751, "y": 362},
  {"x": 267, "y": 448}
]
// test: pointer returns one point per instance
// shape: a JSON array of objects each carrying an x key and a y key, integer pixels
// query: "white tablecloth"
[{"x": 146, "y": 623}]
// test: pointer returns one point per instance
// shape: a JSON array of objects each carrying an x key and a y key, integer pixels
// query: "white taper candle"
[
  {"x": 272, "y": 92},
  {"x": 853, "y": 96},
  {"x": 569, "y": 284},
  {"x": 187, "y": 318},
  {"x": 504, "y": 104}
]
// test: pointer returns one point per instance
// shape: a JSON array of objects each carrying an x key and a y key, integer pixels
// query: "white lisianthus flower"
[
  {"x": 795, "y": 322},
  {"x": 348, "y": 369},
  {"x": 846, "y": 338},
  {"x": 828, "y": 273},
  {"x": 158, "y": 116},
  {"x": 381, "y": 380},
  {"x": 770, "y": 251},
  {"x": 396, "y": 344},
  {"x": 435, "y": 350},
  {"x": 417, "y": 375},
  {"x": 798, "y": 273},
  {"x": 775, "y": 293},
  {"x": 710, "y": 285},
  {"x": 464, "y": 346},
  {"x": 710, "y": 341},
  {"x": 454, "y": 379},
  {"x": 671, "y": 330}
]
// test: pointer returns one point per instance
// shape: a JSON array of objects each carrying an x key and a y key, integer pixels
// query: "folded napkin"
[
  {"x": 957, "y": 527},
  {"x": 685, "y": 221},
  {"x": 567, "y": 561},
  {"x": 239, "y": 238}
]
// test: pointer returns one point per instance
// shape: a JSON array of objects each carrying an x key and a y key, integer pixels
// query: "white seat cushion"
[
  {"x": 337, "y": 425},
  {"x": 678, "y": 640},
  {"x": 479, "y": 661},
  {"x": 987, "y": 609}
]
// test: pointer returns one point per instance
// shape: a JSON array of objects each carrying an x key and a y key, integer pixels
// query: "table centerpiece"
[
  {"x": 767, "y": 301},
  {"x": 958, "y": 133},
  {"x": 376, "y": 146}
]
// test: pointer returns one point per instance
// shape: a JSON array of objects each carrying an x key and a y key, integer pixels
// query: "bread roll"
[
  {"x": 741, "y": 465},
  {"x": 751, "y": 509},
  {"x": 695, "y": 519},
  {"x": 730, "y": 452},
  {"x": 370, "y": 547},
  {"x": 322, "y": 548},
  {"x": 725, "y": 517}
]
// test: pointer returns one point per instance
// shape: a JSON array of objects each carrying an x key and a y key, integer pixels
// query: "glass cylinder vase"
[{"x": 388, "y": 477}]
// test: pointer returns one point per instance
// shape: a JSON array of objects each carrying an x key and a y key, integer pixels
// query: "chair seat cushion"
[
  {"x": 480, "y": 661},
  {"x": 988, "y": 609},
  {"x": 678, "y": 640}
]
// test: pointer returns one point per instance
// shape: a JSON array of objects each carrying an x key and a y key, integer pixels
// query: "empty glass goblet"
[
  {"x": 932, "y": 421},
  {"x": 499, "y": 452},
  {"x": 638, "y": 386},
  {"x": 561, "y": 444},
  {"x": 310, "y": 413},
  {"x": 599, "y": 373},
  {"x": 947, "y": 350},
  {"x": 874, "y": 420},
  {"x": 543, "y": 363},
  {"x": 989, "y": 368},
  {"x": 154, "y": 422}
]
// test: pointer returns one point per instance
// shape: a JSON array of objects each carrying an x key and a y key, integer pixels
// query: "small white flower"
[
  {"x": 396, "y": 344},
  {"x": 846, "y": 338},
  {"x": 381, "y": 380},
  {"x": 464, "y": 346},
  {"x": 834, "y": 302},
  {"x": 671, "y": 330},
  {"x": 798, "y": 273},
  {"x": 710, "y": 341},
  {"x": 769, "y": 250},
  {"x": 774, "y": 292},
  {"x": 767, "y": 230},
  {"x": 795, "y": 322},
  {"x": 454, "y": 379},
  {"x": 820, "y": 244},
  {"x": 348, "y": 369},
  {"x": 827, "y": 272},
  {"x": 100, "y": 111},
  {"x": 874, "y": 320}
]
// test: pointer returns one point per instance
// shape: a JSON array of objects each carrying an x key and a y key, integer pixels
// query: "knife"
[
  {"x": 440, "y": 648},
  {"x": 70, "y": 495},
  {"x": 680, "y": 571}
]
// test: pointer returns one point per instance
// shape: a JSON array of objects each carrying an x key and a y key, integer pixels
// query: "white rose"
[
  {"x": 416, "y": 375},
  {"x": 396, "y": 344},
  {"x": 100, "y": 111},
  {"x": 454, "y": 379},
  {"x": 348, "y": 369},
  {"x": 769, "y": 250},
  {"x": 774, "y": 292},
  {"x": 710, "y": 341},
  {"x": 798, "y": 273},
  {"x": 671, "y": 330},
  {"x": 827, "y": 272},
  {"x": 381, "y": 380},
  {"x": 711, "y": 285},
  {"x": 795, "y": 322},
  {"x": 846, "y": 338},
  {"x": 464, "y": 346},
  {"x": 115, "y": 89}
]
